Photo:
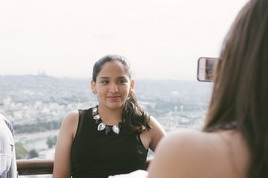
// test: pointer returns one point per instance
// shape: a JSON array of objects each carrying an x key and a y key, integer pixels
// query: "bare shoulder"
[
  {"x": 70, "y": 123},
  {"x": 187, "y": 150},
  {"x": 71, "y": 116},
  {"x": 177, "y": 154},
  {"x": 154, "y": 123},
  {"x": 191, "y": 144},
  {"x": 186, "y": 141}
]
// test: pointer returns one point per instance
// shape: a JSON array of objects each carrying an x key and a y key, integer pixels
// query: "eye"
[
  {"x": 104, "y": 81},
  {"x": 123, "y": 81}
]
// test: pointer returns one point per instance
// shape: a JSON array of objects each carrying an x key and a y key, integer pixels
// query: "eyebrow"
[
  {"x": 121, "y": 77},
  {"x": 104, "y": 77}
]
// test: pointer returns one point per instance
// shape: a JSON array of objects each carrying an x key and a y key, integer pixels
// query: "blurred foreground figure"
[{"x": 234, "y": 141}]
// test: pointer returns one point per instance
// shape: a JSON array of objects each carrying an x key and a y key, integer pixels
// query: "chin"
[{"x": 115, "y": 105}]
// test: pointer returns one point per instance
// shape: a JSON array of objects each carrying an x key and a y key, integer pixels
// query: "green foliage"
[
  {"x": 51, "y": 141},
  {"x": 33, "y": 154},
  {"x": 21, "y": 152},
  {"x": 37, "y": 127}
]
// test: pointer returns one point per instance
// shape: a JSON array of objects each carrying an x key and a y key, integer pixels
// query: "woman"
[
  {"x": 234, "y": 141},
  {"x": 112, "y": 137}
]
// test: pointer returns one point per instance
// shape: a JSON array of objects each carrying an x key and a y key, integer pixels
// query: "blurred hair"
[
  {"x": 134, "y": 118},
  {"x": 240, "y": 92}
]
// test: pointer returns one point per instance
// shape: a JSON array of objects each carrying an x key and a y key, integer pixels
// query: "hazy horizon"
[
  {"x": 161, "y": 38},
  {"x": 89, "y": 77}
]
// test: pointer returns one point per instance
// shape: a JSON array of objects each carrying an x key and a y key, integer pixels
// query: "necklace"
[{"x": 101, "y": 125}]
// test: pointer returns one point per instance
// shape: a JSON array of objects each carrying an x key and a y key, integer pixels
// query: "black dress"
[{"x": 95, "y": 154}]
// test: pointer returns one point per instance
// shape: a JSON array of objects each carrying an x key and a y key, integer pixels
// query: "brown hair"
[{"x": 240, "y": 92}]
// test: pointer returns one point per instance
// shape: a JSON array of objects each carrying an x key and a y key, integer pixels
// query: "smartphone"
[{"x": 205, "y": 68}]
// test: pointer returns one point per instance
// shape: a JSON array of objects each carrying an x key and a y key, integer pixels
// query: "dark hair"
[
  {"x": 240, "y": 92},
  {"x": 134, "y": 118}
]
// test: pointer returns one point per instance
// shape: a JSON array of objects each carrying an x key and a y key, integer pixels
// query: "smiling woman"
[{"x": 112, "y": 137}]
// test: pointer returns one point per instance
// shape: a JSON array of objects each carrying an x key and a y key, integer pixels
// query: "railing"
[
  {"x": 38, "y": 167},
  {"x": 34, "y": 167}
]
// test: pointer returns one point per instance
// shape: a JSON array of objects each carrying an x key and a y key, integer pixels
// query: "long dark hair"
[
  {"x": 134, "y": 118},
  {"x": 240, "y": 91}
]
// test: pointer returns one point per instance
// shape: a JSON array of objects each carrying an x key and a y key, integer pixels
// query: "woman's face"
[{"x": 112, "y": 85}]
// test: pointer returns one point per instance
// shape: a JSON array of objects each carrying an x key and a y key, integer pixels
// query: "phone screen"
[{"x": 205, "y": 68}]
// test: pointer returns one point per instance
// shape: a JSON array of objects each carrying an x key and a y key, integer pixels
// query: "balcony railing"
[
  {"x": 39, "y": 166},
  {"x": 34, "y": 167}
]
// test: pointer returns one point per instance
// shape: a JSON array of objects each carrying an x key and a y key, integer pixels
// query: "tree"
[
  {"x": 51, "y": 141},
  {"x": 21, "y": 152},
  {"x": 33, "y": 154}
]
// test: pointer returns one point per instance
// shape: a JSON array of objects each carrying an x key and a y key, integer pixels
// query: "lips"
[{"x": 113, "y": 97}]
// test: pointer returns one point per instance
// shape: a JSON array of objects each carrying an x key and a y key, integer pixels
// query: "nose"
[{"x": 113, "y": 88}]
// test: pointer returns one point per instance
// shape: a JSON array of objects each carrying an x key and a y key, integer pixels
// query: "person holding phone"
[
  {"x": 112, "y": 137},
  {"x": 234, "y": 140},
  {"x": 8, "y": 167}
]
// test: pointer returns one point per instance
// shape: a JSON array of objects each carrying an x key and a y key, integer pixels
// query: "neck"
[{"x": 110, "y": 116}]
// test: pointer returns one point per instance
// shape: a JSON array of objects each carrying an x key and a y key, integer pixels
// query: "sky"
[{"x": 162, "y": 39}]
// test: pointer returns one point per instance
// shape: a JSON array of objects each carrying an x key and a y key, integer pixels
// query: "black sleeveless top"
[{"x": 95, "y": 154}]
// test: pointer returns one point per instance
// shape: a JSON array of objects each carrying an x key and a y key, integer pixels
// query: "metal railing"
[{"x": 40, "y": 166}]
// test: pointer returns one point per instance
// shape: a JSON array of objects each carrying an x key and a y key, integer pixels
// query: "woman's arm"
[
  {"x": 62, "y": 161},
  {"x": 155, "y": 133}
]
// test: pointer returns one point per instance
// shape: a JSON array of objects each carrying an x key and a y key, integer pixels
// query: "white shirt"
[{"x": 8, "y": 168}]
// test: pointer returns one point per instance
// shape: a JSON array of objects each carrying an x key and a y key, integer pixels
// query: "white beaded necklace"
[{"x": 101, "y": 125}]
